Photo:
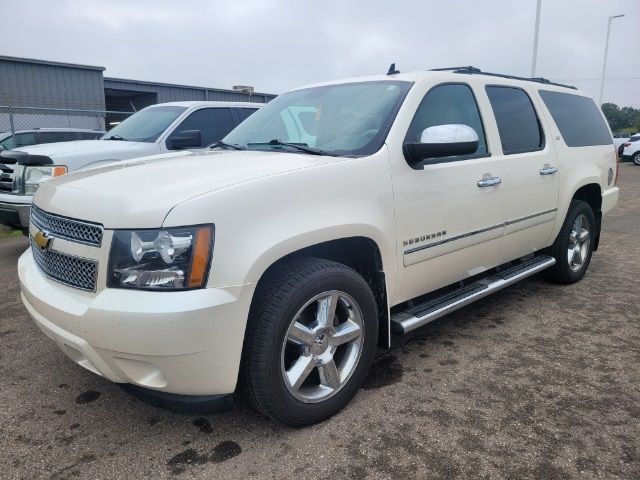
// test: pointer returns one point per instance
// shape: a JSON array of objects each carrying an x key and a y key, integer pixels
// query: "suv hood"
[
  {"x": 78, "y": 146},
  {"x": 140, "y": 193}
]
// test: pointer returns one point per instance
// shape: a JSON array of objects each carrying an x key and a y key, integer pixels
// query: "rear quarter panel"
[{"x": 577, "y": 166}]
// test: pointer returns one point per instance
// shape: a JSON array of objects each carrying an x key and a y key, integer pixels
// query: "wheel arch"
[
  {"x": 361, "y": 253},
  {"x": 591, "y": 193}
]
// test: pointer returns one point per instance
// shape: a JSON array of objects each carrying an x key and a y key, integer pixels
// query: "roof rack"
[{"x": 469, "y": 70}]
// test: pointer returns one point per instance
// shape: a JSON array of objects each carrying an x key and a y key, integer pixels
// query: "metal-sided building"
[{"x": 41, "y": 93}]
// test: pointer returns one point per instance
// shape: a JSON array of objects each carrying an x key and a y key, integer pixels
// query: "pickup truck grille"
[
  {"x": 6, "y": 177},
  {"x": 72, "y": 271},
  {"x": 69, "y": 229}
]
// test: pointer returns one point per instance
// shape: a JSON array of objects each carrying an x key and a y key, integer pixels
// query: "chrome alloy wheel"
[
  {"x": 579, "y": 239},
  {"x": 322, "y": 346}
]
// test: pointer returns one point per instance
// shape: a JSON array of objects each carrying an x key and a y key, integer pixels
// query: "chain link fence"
[{"x": 22, "y": 126}]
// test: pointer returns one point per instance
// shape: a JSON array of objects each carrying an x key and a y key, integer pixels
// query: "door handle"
[
  {"x": 489, "y": 182},
  {"x": 548, "y": 170}
]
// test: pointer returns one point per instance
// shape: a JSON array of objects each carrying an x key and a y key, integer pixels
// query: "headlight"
[
  {"x": 34, "y": 176},
  {"x": 164, "y": 259}
]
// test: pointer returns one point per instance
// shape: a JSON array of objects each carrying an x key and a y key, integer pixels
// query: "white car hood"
[
  {"x": 54, "y": 150},
  {"x": 140, "y": 193}
]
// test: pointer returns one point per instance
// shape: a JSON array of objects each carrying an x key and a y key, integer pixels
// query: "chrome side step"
[{"x": 434, "y": 308}]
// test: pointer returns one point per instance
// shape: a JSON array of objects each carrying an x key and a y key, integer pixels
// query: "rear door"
[{"x": 530, "y": 171}]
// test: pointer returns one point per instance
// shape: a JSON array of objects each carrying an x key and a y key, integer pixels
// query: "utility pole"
[
  {"x": 535, "y": 41},
  {"x": 606, "y": 51}
]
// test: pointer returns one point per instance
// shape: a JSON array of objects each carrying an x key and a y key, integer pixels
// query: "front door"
[{"x": 448, "y": 225}]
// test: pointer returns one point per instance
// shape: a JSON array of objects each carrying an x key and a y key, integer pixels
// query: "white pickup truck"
[
  {"x": 336, "y": 217},
  {"x": 153, "y": 130}
]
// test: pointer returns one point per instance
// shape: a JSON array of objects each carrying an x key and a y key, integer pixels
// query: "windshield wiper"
[
  {"x": 303, "y": 147},
  {"x": 222, "y": 144},
  {"x": 114, "y": 137}
]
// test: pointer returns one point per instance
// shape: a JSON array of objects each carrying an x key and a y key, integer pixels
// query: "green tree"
[{"x": 625, "y": 118}]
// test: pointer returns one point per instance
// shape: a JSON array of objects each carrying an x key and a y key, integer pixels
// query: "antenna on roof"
[{"x": 392, "y": 69}]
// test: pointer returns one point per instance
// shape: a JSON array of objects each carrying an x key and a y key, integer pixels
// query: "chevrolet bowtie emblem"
[{"x": 42, "y": 240}]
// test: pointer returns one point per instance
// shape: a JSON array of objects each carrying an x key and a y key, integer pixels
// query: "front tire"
[
  {"x": 310, "y": 341},
  {"x": 636, "y": 159},
  {"x": 574, "y": 245}
]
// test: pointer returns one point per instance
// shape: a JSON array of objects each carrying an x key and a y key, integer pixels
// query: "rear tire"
[
  {"x": 574, "y": 245},
  {"x": 310, "y": 341}
]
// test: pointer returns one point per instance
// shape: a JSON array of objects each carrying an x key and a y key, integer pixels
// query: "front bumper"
[
  {"x": 186, "y": 343},
  {"x": 15, "y": 210}
]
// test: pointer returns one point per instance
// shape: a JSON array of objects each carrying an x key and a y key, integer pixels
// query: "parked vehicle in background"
[
  {"x": 25, "y": 138},
  {"x": 154, "y": 130},
  {"x": 631, "y": 150},
  {"x": 336, "y": 217},
  {"x": 620, "y": 138}
]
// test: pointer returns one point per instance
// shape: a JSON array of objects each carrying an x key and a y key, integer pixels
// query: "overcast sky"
[{"x": 276, "y": 45}]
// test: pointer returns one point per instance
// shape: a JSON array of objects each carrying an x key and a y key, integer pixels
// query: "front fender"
[{"x": 260, "y": 221}]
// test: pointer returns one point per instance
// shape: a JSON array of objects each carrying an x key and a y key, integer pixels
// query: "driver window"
[{"x": 448, "y": 104}]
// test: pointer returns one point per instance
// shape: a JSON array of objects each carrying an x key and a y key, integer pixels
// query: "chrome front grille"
[
  {"x": 6, "y": 177},
  {"x": 73, "y": 230},
  {"x": 72, "y": 271}
]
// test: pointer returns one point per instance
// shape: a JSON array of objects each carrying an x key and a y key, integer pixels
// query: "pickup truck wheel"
[
  {"x": 574, "y": 245},
  {"x": 310, "y": 341},
  {"x": 636, "y": 159}
]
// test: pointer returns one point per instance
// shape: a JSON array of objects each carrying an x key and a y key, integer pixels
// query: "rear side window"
[
  {"x": 245, "y": 113},
  {"x": 518, "y": 125},
  {"x": 578, "y": 119}
]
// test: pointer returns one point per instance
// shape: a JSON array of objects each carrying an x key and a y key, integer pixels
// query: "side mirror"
[
  {"x": 186, "y": 139},
  {"x": 442, "y": 141}
]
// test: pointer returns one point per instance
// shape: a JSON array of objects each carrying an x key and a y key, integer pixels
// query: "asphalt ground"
[{"x": 537, "y": 381}]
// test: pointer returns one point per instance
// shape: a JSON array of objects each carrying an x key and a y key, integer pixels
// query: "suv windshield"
[
  {"x": 146, "y": 125},
  {"x": 344, "y": 119}
]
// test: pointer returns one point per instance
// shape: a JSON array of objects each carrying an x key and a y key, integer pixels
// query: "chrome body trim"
[{"x": 476, "y": 232}]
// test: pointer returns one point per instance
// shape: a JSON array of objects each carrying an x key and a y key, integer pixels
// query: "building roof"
[
  {"x": 49, "y": 63},
  {"x": 177, "y": 85}
]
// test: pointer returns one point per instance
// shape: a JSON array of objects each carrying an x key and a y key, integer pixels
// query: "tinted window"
[
  {"x": 578, "y": 119},
  {"x": 518, "y": 124},
  {"x": 52, "y": 137},
  {"x": 89, "y": 135},
  {"x": 244, "y": 113},
  {"x": 213, "y": 123},
  {"x": 447, "y": 104}
]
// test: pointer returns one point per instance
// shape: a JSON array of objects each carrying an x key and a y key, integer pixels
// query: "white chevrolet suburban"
[
  {"x": 336, "y": 217},
  {"x": 154, "y": 130}
]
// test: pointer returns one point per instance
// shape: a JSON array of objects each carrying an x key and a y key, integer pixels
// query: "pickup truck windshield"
[
  {"x": 146, "y": 125},
  {"x": 346, "y": 119}
]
